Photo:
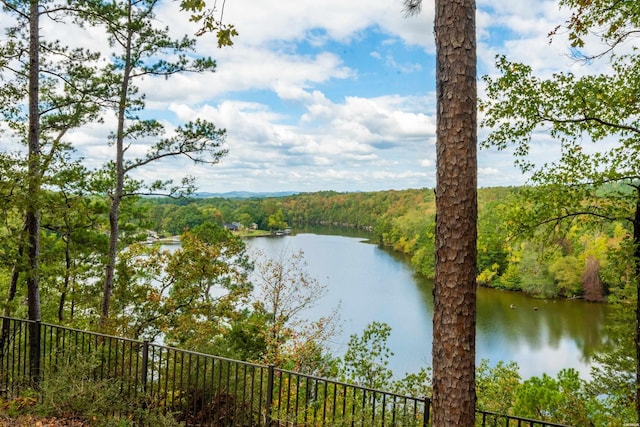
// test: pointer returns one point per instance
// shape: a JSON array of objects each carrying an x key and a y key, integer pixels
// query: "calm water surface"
[{"x": 373, "y": 284}]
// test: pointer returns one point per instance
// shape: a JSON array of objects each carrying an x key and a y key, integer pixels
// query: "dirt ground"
[{"x": 32, "y": 421}]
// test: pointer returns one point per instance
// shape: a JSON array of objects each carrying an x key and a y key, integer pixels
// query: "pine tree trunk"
[
  {"x": 32, "y": 215},
  {"x": 454, "y": 319},
  {"x": 118, "y": 191},
  {"x": 110, "y": 269},
  {"x": 67, "y": 278},
  {"x": 636, "y": 260}
]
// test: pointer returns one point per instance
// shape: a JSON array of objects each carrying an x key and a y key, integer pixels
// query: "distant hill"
[{"x": 243, "y": 195}]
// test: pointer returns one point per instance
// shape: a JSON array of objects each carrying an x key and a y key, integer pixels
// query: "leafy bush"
[{"x": 70, "y": 389}]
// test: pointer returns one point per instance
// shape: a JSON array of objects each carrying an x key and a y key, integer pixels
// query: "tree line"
[
  {"x": 210, "y": 295},
  {"x": 576, "y": 259}
]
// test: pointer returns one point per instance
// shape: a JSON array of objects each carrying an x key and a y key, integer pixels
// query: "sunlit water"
[{"x": 373, "y": 284}]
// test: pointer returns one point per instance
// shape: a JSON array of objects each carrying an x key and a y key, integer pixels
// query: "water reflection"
[
  {"x": 557, "y": 333},
  {"x": 370, "y": 283}
]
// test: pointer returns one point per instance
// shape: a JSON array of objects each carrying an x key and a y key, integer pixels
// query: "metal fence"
[{"x": 202, "y": 390}]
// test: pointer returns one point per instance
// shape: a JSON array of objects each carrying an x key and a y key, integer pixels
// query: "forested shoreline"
[{"x": 572, "y": 260}]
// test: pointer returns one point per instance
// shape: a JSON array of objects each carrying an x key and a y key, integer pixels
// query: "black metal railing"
[{"x": 203, "y": 390}]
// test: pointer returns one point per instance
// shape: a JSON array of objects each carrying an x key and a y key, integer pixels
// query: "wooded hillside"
[{"x": 574, "y": 259}]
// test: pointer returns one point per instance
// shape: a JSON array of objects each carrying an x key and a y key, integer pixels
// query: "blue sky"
[{"x": 332, "y": 95}]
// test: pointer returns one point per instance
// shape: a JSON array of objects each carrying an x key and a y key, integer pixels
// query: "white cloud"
[
  {"x": 327, "y": 95},
  {"x": 488, "y": 171}
]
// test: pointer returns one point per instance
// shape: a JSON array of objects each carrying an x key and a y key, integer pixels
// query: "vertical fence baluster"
[
  {"x": 278, "y": 408},
  {"x": 287, "y": 410},
  {"x": 29, "y": 351},
  {"x": 145, "y": 365},
  {"x": 227, "y": 390},
  {"x": 21, "y": 359},
  {"x": 297, "y": 407},
  {"x": 205, "y": 394},
  {"x": 235, "y": 394},
  {"x": 251, "y": 394},
  {"x": 373, "y": 408},
  {"x": 216, "y": 368},
  {"x": 335, "y": 403},
  {"x": 220, "y": 397},
  {"x": 427, "y": 411},
  {"x": 269, "y": 393},
  {"x": 34, "y": 352},
  {"x": 324, "y": 402},
  {"x": 314, "y": 399},
  {"x": 244, "y": 392}
]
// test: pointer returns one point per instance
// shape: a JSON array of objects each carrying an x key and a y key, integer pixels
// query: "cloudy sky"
[{"x": 331, "y": 95}]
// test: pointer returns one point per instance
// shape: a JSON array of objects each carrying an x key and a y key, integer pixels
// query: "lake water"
[{"x": 373, "y": 284}]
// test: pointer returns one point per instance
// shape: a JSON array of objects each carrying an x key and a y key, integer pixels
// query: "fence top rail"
[
  {"x": 15, "y": 319},
  {"x": 528, "y": 420},
  {"x": 196, "y": 353},
  {"x": 145, "y": 343},
  {"x": 67, "y": 328},
  {"x": 97, "y": 334},
  {"x": 359, "y": 387}
]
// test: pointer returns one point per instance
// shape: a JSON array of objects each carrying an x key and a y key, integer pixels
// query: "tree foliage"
[
  {"x": 551, "y": 261},
  {"x": 367, "y": 357},
  {"x": 188, "y": 295},
  {"x": 284, "y": 294},
  {"x": 143, "y": 49},
  {"x": 593, "y": 122}
]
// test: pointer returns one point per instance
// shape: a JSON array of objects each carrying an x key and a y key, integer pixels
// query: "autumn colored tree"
[
  {"x": 189, "y": 295},
  {"x": 284, "y": 293}
]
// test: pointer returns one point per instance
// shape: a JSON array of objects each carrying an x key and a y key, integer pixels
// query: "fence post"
[
  {"x": 270, "y": 387},
  {"x": 34, "y": 352},
  {"x": 145, "y": 366},
  {"x": 427, "y": 411}
]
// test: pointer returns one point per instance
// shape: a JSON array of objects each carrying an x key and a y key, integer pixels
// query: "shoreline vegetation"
[
  {"x": 515, "y": 251},
  {"x": 175, "y": 239}
]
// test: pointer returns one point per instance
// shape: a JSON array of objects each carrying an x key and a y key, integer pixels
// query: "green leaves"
[
  {"x": 367, "y": 357},
  {"x": 191, "y": 294},
  {"x": 573, "y": 111},
  {"x": 594, "y": 122},
  {"x": 612, "y": 21},
  {"x": 192, "y": 5},
  {"x": 225, "y": 34},
  {"x": 562, "y": 400},
  {"x": 210, "y": 22},
  {"x": 496, "y": 386}
]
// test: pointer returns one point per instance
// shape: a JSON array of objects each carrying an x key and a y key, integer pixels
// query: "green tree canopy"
[{"x": 594, "y": 120}]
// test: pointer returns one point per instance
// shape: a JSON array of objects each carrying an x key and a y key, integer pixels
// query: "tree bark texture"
[
  {"x": 454, "y": 320},
  {"x": 636, "y": 259},
  {"x": 32, "y": 214},
  {"x": 118, "y": 191}
]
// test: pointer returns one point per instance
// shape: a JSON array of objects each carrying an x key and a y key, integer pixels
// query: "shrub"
[{"x": 72, "y": 390}]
